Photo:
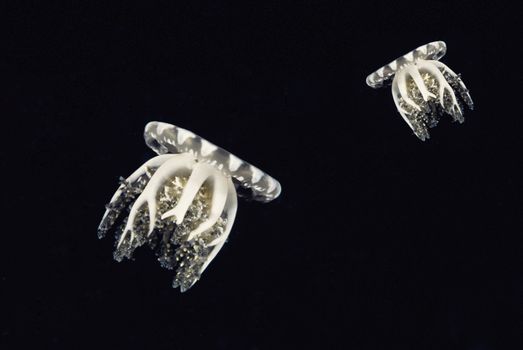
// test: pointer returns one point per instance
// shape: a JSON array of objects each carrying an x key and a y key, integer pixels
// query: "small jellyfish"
[{"x": 423, "y": 88}]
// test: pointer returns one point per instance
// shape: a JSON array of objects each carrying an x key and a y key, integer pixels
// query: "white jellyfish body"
[
  {"x": 183, "y": 202},
  {"x": 423, "y": 88}
]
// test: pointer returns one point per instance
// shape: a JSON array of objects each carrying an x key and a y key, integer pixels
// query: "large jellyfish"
[{"x": 182, "y": 203}]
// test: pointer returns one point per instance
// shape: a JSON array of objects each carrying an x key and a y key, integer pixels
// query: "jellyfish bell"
[
  {"x": 423, "y": 88},
  {"x": 165, "y": 138},
  {"x": 183, "y": 202},
  {"x": 431, "y": 51}
]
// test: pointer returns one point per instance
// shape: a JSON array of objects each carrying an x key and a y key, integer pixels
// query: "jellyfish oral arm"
[
  {"x": 399, "y": 87},
  {"x": 414, "y": 73},
  {"x": 151, "y": 163},
  {"x": 463, "y": 88},
  {"x": 219, "y": 188},
  {"x": 174, "y": 165},
  {"x": 231, "y": 207},
  {"x": 201, "y": 173},
  {"x": 144, "y": 169}
]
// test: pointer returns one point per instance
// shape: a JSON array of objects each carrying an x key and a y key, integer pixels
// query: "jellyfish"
[
  {"x": 423, "y": 88},
  {"x": 183, "y": 202}
]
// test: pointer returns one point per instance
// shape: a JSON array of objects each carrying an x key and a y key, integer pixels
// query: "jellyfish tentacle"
[
  {"x": 219, "y": 198},
  {"x": 175, "y": 164}
]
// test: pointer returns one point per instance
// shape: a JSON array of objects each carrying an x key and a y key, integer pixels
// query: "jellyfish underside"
[
  {"x": 425, "y": 90},
  {"x": 181, "y": 208}
]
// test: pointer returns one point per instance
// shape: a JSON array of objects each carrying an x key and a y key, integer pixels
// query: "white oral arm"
[
  {"x": 400, "y": 110},
  {"x": 200, "y": 173},
  {"x": 231, "y": 207},
  {"x": 416, "y": 76},
  {"x": 453, "y": 74},
  {"x": 174, "y": 165},
  {"x": 442, "y": 82},
  {"x": 151, "y": 163},
  {"x": 399, "y": 84},
  {"x": 219, "y": 197}
]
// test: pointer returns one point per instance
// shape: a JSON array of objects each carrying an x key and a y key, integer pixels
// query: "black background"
[{"x": 378, "y": 241}]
